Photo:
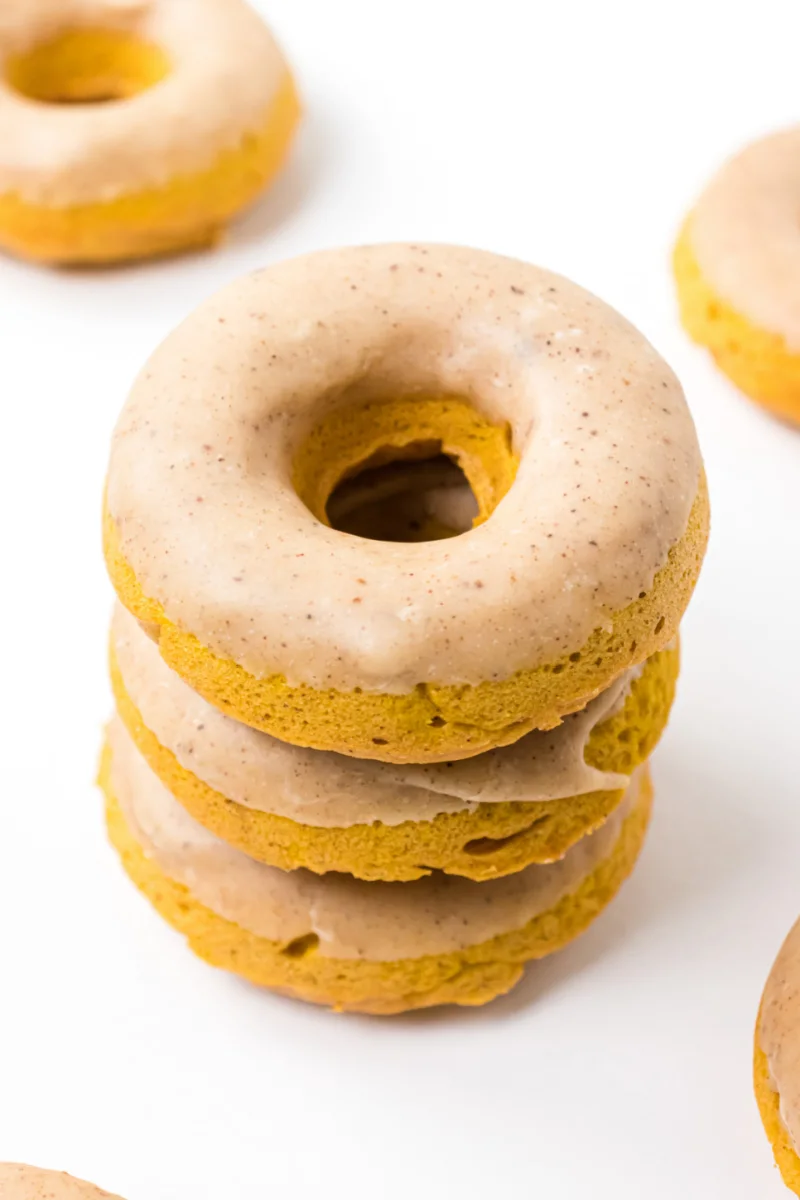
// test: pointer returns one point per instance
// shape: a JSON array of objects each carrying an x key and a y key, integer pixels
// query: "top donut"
[{"x": 572, "y": 432}]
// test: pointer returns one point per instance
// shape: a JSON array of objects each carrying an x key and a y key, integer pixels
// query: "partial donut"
[
  {"x": 135, "y": 128},
  {"x": 737, "y": 263}
]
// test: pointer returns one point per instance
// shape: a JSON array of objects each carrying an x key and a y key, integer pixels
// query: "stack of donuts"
[{"x": 402, "y": 537}]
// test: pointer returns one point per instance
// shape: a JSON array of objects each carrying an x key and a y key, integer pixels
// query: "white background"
[{"x": 574, "y": 135}]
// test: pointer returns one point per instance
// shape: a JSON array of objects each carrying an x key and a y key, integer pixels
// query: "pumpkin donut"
[
  {"x": 777, "y": 1060},
  {"x": 134, "y": 127},
  {"x": 572, "y": 432},
  {"x": 737, "y": 262},
  {"x": 481, "y": 817},
  {"x": 20, "y": 1182},
  {"x": 362, "y": 947}
]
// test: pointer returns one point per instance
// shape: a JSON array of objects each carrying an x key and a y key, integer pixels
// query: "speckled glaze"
[
  {"x": 62, "y": 155},
  {"x": 353, "y": 919},
  {"x": 780, "y": 1032},
  {"x": 321, "y": 788},
  {"x": 20, "y": 1182},
  {"x": 199, "y": 481},
  {"x": 745, "y": 235}
]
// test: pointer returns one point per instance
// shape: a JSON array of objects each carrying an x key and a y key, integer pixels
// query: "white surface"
[{"x": 570, "y": 134}]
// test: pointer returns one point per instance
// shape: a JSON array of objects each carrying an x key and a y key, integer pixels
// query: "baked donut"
[
  {"x": 363, "y": 947},
  {"x": 737, "y": 262},
  {"x": 480, "y": 817},
  {"x": 571, "y": 431},
  {"x": 777, "y": 1060},
  {"x": 20, "y": 1182},
  {"x": 131, "y": 128}
]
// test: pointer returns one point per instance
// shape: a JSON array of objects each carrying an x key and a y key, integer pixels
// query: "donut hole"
[
  {"x": 87, "y": 66},
  {"x": 423, "y": 499},
  {"x": 410, "y": 470}
]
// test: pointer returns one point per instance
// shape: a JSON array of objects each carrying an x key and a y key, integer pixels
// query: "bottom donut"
[{"x": 356, "y": 946}]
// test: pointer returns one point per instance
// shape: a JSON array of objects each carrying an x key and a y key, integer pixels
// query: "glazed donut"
[
  {"x": 20, "y": 1182},
  {"x": 573, "y": 435},
  {"x": 777, "y": 1060},
  {"x": 737, "y": 263},
  {"x": 363, "y": 947},
  {"x": 481, "y": 817},
  {"x": 131, "y": 128}
]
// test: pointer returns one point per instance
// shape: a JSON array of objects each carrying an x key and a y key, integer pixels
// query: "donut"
[
  {"x": 341, "y": 942},
  {"x": 571, "y": 431},
  {"x": 292, "y": 807},
  {"x": 736, "y": 264},
  {"x": 777, "y": 1060},
  {"x": 20, "y": 1182},
  {"x": 125, "y": 133}
]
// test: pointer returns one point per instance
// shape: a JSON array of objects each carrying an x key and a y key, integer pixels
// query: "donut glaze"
[
  {"x": 480, "y": 817},
  {"x": 572, "y": 431},
  {"x": 20, "y": 1182},
  {"x": 737, "y": 264},
  {"x": 371, "y": 947},
  {"x": 164, "y": 163}
]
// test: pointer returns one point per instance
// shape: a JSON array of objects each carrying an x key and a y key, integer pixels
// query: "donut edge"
[
  {"x": 756, "y": 361},
  {"x": 768, "y": 1101}
]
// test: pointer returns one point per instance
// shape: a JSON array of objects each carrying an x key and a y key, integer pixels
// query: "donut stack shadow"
[{"x": 384, "y": 852}]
